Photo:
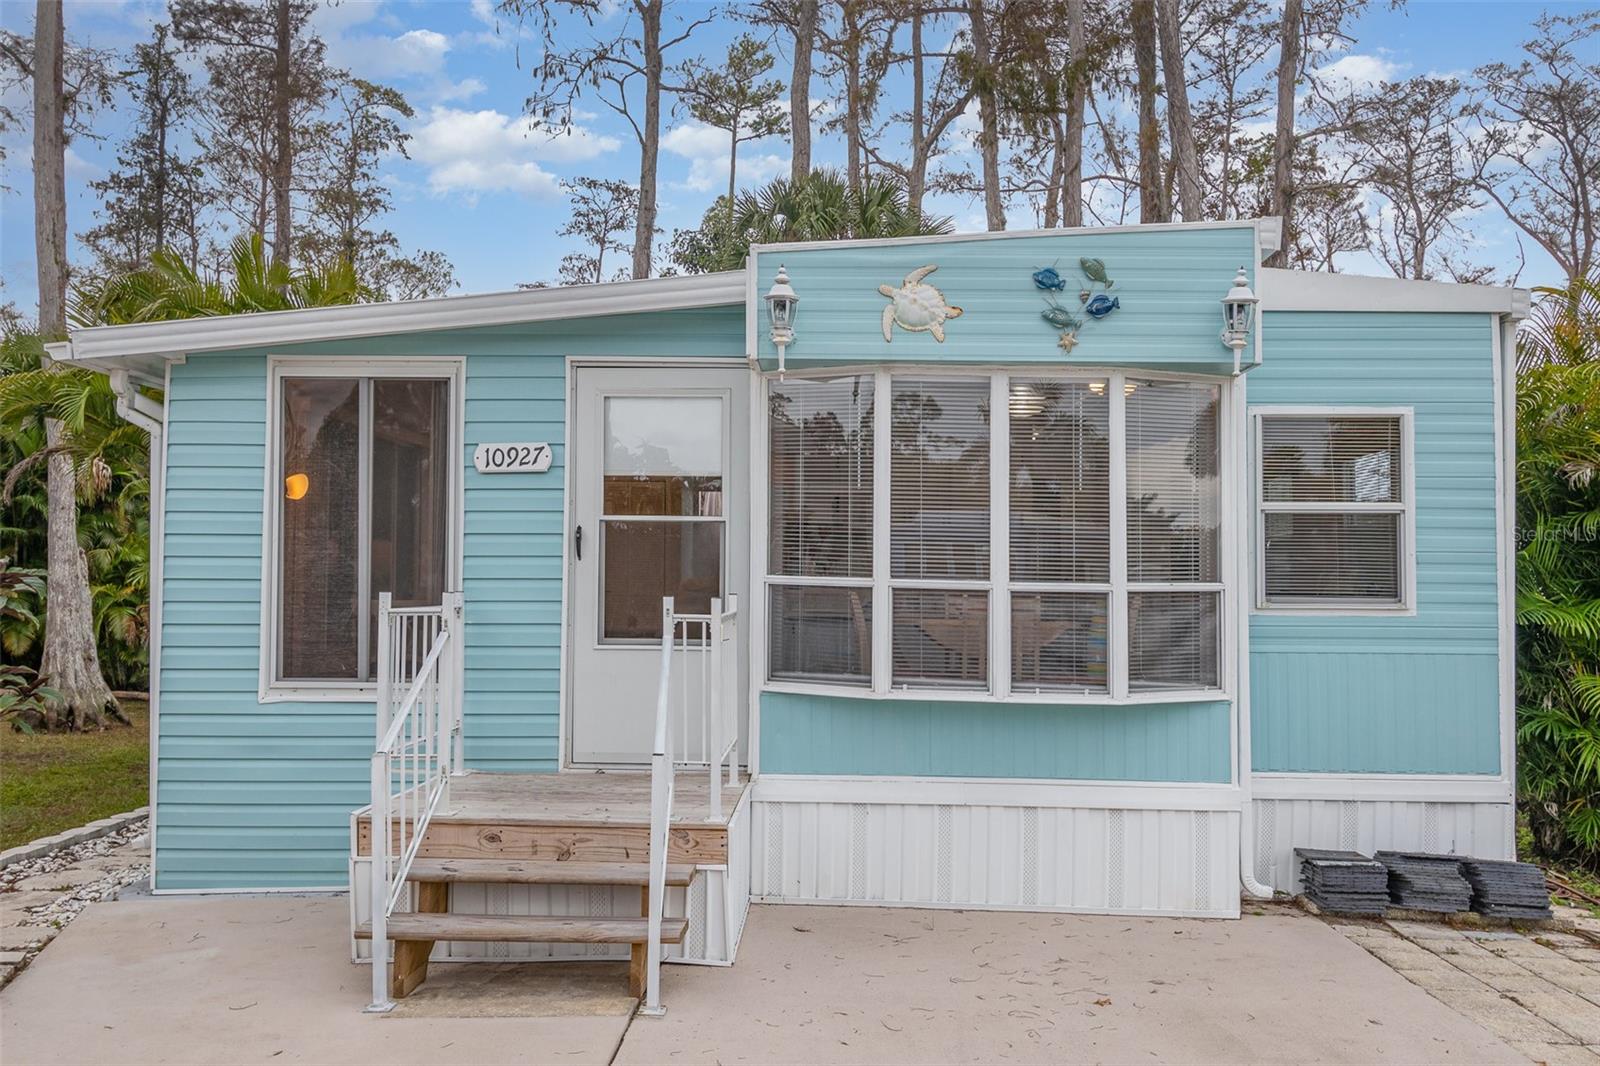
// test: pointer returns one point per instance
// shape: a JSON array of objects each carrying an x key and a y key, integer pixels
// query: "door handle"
[{"x": 577, "y": 543}]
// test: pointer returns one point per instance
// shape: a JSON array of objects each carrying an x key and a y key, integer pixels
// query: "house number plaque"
[{"x": 512, "y": 458}]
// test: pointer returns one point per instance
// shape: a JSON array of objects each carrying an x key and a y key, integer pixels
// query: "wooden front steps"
[
  {"x": 572, "y": 828},
  {"x": 522, "y": 872},
  {"x": 525, "y": 928}
]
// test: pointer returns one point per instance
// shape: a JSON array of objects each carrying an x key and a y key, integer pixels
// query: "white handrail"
[
  {"x": 661, "y": 773},
  {"x": 418, "y": 747},
  {"x": 714, "y": 719}
]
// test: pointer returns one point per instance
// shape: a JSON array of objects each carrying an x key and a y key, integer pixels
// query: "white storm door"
[{"x": 660, "y": 473}]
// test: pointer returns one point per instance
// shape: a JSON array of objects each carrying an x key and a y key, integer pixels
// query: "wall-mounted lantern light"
[
  {"x": 781, "y": 305},
  {"x": 1238, "y": 307}
]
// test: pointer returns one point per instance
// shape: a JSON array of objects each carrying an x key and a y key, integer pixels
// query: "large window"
[
  {"x": 1333, "y": 509},
  {"x": 362, "y": 506},
  {"x": 1038, "y": 536}
]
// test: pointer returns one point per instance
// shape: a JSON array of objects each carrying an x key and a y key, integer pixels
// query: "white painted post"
[
  {"x": 381, "y": 1003},
  {"x": 385, "y": 668},
  {"x": 455, "y": 608},
  {"x": 733, "y": 696},
  {"x": 712, "y": 700}
]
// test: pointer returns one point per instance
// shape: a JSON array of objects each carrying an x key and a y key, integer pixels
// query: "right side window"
[{"x": 1333, "y": 509}]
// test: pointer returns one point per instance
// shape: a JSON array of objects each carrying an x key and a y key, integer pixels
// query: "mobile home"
[{"x": 1081, "y": 570}]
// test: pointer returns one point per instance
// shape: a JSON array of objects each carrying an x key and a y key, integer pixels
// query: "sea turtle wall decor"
[
  {"x": 916, "y": 306},
  {"x": 1096, "y": 304}
]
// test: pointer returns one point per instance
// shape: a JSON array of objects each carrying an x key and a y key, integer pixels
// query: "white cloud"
[
  {"x": 449, "y": 91},
  {"x": 490, "y": 151},
  {"x": 1357, "y": 71},
  {"x": 706, "y": 148},
  {"x": 695, "y": 140}
]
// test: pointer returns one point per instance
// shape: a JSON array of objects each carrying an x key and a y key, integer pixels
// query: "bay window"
[
  {"x": 1032, "y": 535},
  {"x": 361, "y": 505}
]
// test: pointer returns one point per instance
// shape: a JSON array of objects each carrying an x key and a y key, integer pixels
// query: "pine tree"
[
  {"x": 735, "y": 99},
  {"x": 155, "y": 197}
]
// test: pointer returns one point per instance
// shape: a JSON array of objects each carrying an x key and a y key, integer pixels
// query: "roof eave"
[{"x": 113, "y": 346}]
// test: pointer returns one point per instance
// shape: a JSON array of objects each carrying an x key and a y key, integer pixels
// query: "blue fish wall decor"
[
  {"x": 1049, "y": 279},
  {"x": 1096, "y": 303},
  {"x": 1100, "y": 305}
]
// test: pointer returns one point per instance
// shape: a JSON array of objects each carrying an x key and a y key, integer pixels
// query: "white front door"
[{"x": 659, "y": 459}]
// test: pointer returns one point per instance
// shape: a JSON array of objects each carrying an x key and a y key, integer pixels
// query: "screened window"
[
  {"x": 1333, "y": 510},
  {"x": 363, "y": 472},
  {"x": 1029, "y": 535}
]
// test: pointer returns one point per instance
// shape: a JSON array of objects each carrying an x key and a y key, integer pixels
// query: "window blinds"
[
  {"x": 939, "y": 479},
  {"x": 1060, "y": 481},
  {"x": 1333, "y": 497},
  {"x": 1174, "y": 504},
  {"x": 1172, "y": 640},
  {"x": 821, "y": 480}
]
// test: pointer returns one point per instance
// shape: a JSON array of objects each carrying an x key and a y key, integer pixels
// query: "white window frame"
[
  {"x": 1405, "y": 507},
  {"x": 999, "y": 585},
  {"x": 271, "y": 688}
]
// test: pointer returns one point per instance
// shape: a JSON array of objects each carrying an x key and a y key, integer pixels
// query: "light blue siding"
[
  {"x": 805, "y": 734},
  {"x": 1170, "y": 284},
  {"x": 1404, "y": 694},
  {"x": 254, "y": 795}
]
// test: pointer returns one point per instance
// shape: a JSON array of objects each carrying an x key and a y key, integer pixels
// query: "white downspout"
[
  {"x": 1245, "y": 582},
  {"x": 150, "y": 416}
]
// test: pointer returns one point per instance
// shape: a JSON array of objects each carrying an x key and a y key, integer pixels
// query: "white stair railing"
[
  {"x": 418, "y": 747},
  {"x": 704, "y": 726}
]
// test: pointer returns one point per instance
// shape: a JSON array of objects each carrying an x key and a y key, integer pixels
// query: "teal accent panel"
[
  {"x": 1403, "y": 694},
  {"x": 807, "y": 734},
  {"x": 1170, "y": 284},
  {"x": 253, "y": 795}
]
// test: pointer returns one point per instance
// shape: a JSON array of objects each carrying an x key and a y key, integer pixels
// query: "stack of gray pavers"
[
  {"x": 1343, "y": 882},
  {"x": 1507, "y": 889},
  {"x": 1423, "y": 882}
]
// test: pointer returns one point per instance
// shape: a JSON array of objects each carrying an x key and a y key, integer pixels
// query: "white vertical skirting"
[
  {"x": 1108, "y": 860},
  {"x": 1281, "y": 825}
]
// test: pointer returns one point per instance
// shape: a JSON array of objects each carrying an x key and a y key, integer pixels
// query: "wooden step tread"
[
  {"x": 526, "y": 928},
  {"x": 532, "y": 872}
]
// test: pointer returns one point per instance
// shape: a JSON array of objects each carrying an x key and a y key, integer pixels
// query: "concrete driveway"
[{"x": 181, "y": 980}]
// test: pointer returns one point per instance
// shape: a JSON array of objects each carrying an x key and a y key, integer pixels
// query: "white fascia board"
[
  {"x": 1308, "y": 290},
  {"x": 995, "y": 792},
  {"x": 1268, "y": 234},
  {"x": 109, "y": 345},
  {"x": 1387, "y": 788}
]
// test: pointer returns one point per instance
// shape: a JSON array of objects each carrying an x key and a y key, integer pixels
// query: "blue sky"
[{"x": 484, "y": 191}]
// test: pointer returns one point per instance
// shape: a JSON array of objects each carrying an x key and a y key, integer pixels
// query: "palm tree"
[
  {"x": 819, "y": 207},
  {"x": 169, "y": 289},
  {"x": 111, "y": 457},
  {"x": 1564, "y": 326}
]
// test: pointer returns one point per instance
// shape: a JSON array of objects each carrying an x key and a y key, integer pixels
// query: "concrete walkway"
[{"x": 180, "y": 980}]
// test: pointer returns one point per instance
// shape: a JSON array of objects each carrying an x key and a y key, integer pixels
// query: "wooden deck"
[
  {"x": 585, "y": 816},
  {"x": 614, "y": 798}
]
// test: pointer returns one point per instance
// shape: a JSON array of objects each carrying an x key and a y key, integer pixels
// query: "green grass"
[{"x": 53, "y": 782}]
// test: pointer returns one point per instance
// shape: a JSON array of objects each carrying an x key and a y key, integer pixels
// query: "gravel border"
[{"x": 67, "y": 838}]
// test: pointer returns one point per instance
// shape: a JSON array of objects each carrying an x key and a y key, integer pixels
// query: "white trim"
[
  {"x": 1063, "y": 697},
  {"x": 1504, "y": 332},
  {"x": 882, "y": 523},
  {"x": 1307, "y": 290},
  {"x": 997, "y": 792},
  {"x": 1428, "y": 788},
  {"x": 107, "y": 344},
  {"x": 1405, "y": 507},
  {"x": 451, "y": 369},
  {"x": 158, "y": 556},
  {"x": 1256, "y": 225}
]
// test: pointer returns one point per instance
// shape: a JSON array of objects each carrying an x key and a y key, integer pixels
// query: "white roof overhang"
[
  {"x": 143, "y": 348},
  {"x": 1308, "y": 290}
]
